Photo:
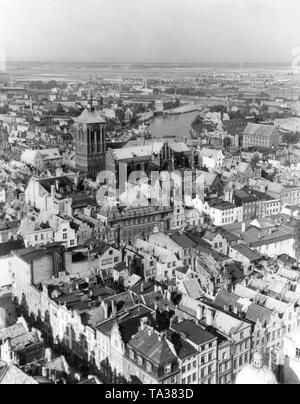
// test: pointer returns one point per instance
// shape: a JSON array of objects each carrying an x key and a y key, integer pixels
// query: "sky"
[{"x": 203, "y": 31}]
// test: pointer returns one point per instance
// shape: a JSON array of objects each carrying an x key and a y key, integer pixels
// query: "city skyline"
[{"x": 150, "y": 31}]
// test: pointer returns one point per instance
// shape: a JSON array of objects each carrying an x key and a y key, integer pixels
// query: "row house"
[
  {"x": 51, "y": 195},
  {"x": 129, "y": 223},
  {"x": 151, "y": 358},
  {"x": 204, "y": 366},
  {"x": 289, "y": 312},
  {"x": 238, "y": 330},
  {"x": 177, "y": 242},
  {"x": 164, "y": 260},
  {"x": 224, "y": 213},
  {"x": 267, "y": 324}
]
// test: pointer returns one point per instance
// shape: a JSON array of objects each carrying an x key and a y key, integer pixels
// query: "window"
[
  {"x": 116, "y": 259},
  {"x": 298, "y": 353},
  {"x": 168, "y": 368},
  {"x": 149, "y": 367},
  {"x": 140, "y": 360},
  {"x": 183, "y": 369},
  {"x": 111, "y": 252},
  {"x": 72, "y": 243},
  {"x": 65, "y": 236}
]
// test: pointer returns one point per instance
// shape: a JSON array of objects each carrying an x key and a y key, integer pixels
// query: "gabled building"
[
  {"x": 151, "y": 358},
  {"x": 257, "y": 135},
  {"x": 203, "y": 369}
]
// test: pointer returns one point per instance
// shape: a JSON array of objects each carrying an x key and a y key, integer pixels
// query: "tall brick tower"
[{"x": 90, "y": 142}]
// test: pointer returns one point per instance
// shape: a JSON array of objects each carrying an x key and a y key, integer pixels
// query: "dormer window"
[
  {"x": 149, "y": 367},
  {"x": 168, "y": 369},
  {"x": 140, "y": 361},
  {"x": 131, "y": 355}
]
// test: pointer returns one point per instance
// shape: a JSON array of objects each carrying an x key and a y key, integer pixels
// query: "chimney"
[
  {"x": 57, "y": 185},
  {"x": 199, "y": 313},
  {"x": 45, "y": 372},
  {"x": 142, "y": 287},
  {"x": 161, "y": 337},
  {"x": 144, "y": 323},
  {"x": 243, "y": 227},
  {"x": 113, "y": 308},
  {"x": 150, "y": 331},
  {"x": 209, "y": 317},
  {"x": 53, "y": 191},
  {"x": 105, "y": 307}
]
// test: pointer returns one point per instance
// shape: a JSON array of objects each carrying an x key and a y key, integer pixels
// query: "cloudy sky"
[{"x": 150, "y": 30}]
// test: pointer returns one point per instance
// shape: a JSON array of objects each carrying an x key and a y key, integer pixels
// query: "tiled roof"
[
  {"x": 183, "y": 348},
  {"x": 194, "y": 333},
  {"x": 152, "y": 348},
  {"x": 182, "y": 240},
  {"x": 225, "y": 298},
  {"x": 91, "y": 117},
  {"x": 15, "y": 376},
  {"x": 256, "y": 312},
  {"x": 63, "y": 182},
  {"x": 260, "y": 130},
  {"x": 193, "y": 289},
  {"x": 128, "y": 323},
  {"x": 247, "y": 252},
  {"x": 23, "y": 341},
  {"x": 12, "y": 332},
  {"x": 59, "y": 364},
  {"x": 8, "y": 247},
  {"x": 182, "y": 270}
]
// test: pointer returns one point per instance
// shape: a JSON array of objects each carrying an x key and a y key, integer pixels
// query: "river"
[{"x": 173, "y": 125}]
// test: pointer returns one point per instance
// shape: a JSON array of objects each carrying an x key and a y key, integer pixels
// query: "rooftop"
[
  {"x": 91, "y": 116},
  {"x": 193, "y": 332}
]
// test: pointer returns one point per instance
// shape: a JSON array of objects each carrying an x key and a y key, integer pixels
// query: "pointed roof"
[
  {"x": 150, "y": 346},
  {"x": 90, "y": 116},
  {"x": 13, "y": 375}
]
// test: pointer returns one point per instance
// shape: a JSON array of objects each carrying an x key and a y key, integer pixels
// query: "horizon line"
[{"x": 148, "y": 62}]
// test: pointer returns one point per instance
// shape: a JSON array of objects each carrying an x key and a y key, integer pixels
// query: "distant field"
[{"x": 85, "y": 71}]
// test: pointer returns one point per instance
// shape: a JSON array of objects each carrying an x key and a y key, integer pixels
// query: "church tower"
[{"x": 90, "y": 142}]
